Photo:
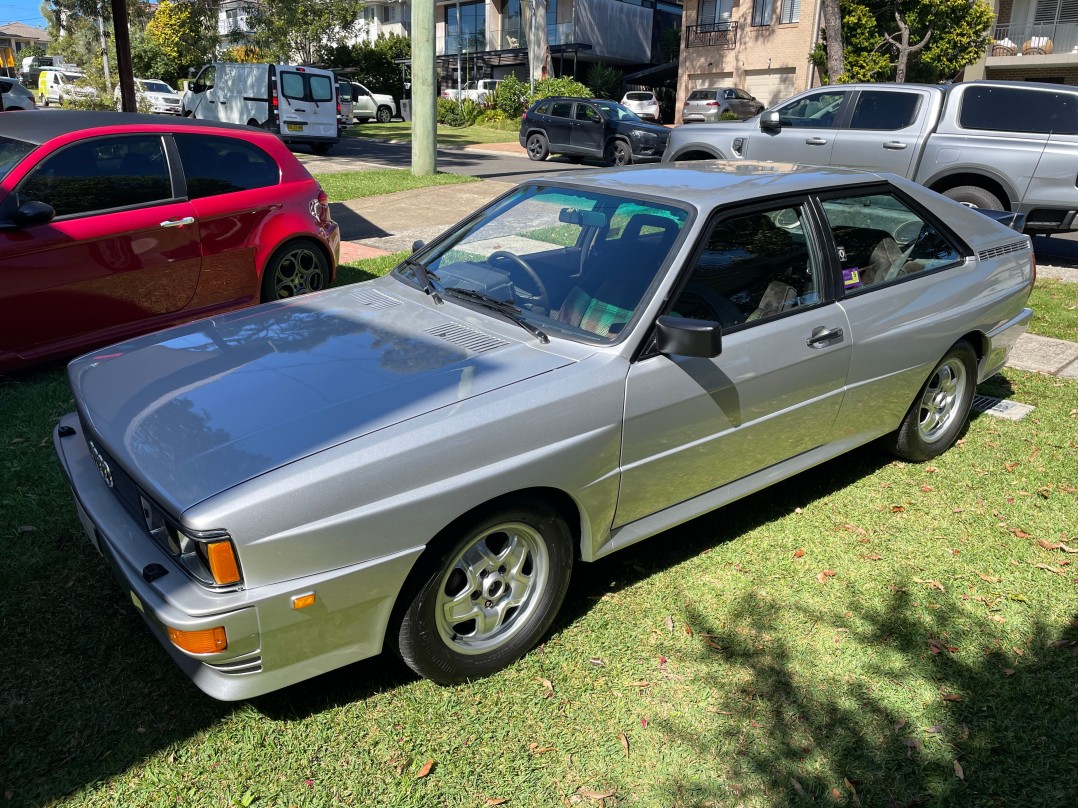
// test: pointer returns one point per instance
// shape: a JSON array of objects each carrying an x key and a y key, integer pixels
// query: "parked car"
[
  {"x": 590, "y": 127},
  {"x": 113, "y": 225},
  {"x": 344, "y": 96},
  {"x": 587, "y": 361},
  {"x": 709, "y": 104},
  {"x": 644, "y": 103},
  {"x": 15, "y": 96},
  {"x": 55, "y": 86},
  {"x": 298, "y": 103},
  {"x": 367, "y": 105},
  {"x": 481, "y": 91},
  {"x": 988, "y": 144},
  {"x": 155, "y": 95}
]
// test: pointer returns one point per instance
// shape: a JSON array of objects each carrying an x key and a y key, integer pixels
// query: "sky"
[{"x": 25, "y": 11}]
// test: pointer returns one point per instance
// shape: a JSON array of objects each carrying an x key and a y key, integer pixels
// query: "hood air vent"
[
  {"x": 474, "y": 341},
  {"x": 374, "y": 299},
  {"x": 996, "y": 252}
]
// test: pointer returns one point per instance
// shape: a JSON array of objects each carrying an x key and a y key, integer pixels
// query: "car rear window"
[
  {"x": 638, "y": 96},
  {"x": 11, "y": 152},
  {"x": 1017, "y": 109},
  {"x": 222, "y": 165},
  {"x": 306, "y": 87},
  {"x": 702, "y": 95}
]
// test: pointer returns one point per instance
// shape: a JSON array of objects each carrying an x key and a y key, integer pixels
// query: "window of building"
[
  {"x": 469, "y": 32},
  {"x": 714, "y": 11},
  {"x": 790, "y": 12},
  {"x": 761, "y": 12}
]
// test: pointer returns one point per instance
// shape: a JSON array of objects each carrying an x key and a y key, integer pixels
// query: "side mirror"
[
  {"x": 770, "y": 121},
  {"x": 418, "y": 245},
  {"x": 30, "y": 214},
  {"x": 680, "y": 336}
]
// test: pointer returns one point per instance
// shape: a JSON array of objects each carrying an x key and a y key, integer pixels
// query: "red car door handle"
[{"x": 178, "y": 222}]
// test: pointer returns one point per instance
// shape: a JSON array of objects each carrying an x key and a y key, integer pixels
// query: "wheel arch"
[
  {"x": 288, "y": 239},
  {"x": 994, "y": 185},
  {"x": 697, "y": 151}
]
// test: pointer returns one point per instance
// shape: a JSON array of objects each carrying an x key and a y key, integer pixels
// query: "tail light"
[
  {"x": 320, "y": 207},
  {"x": 712, "y": 103},
  {"x": 524, "y": 117}
]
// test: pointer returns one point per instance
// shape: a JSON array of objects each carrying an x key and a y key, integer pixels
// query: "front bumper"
[{"x": 270, "y": 644}]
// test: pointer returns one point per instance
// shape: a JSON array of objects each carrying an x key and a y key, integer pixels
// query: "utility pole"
[{"x": 424, "y": 108}]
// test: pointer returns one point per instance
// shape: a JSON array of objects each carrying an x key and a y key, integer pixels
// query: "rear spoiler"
[{"x": 1013, "y": 220}]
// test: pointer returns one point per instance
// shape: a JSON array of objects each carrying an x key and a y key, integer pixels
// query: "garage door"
[{"x": 771, "y": 86}]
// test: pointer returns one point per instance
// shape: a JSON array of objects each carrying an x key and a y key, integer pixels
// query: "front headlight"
[{"x": 639, "y": 134}]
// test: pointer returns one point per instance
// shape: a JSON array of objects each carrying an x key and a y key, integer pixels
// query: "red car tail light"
[{"x": 320, "y": 207}]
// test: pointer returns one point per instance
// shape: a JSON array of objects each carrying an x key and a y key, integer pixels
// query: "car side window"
[
  {"x": 881, "y": 110},
  {"x": 586, "y": 113},
  {"x": 206, "y": 79},
  {"x": 1018, "y": 109},
  {"x": 815, "y": 111},
  {"x": 543, "y": 109},
  {"x": 220, "y": 165},
  {"x": 562, "y": 109},
  {"x": 752, "y": 267},
  {"x": 101, "y": 174},
  {"x": 880, "y": 239}
]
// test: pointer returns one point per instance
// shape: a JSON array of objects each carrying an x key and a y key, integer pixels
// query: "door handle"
[
  {"x": 897, "y": 145},
  {"x": 824, "y": 336},
  {"x": 816, "y": 141},
  {"x": 178, "y": 222}
]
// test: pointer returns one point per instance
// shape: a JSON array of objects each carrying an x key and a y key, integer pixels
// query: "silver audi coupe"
[{"x": 419, "y": 461}]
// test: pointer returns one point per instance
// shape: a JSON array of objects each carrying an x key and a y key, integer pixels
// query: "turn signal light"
[
  {"x": 223, "y": 565},
  {"x": 206, "y": 641}
]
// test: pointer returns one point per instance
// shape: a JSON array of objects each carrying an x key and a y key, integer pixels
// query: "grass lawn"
[
  {"x": 1055, "y": 309},
  {"x": 869, "y": 633},
  {"x": 341, "y": 186},
  {"x": 447, "y": 135}
]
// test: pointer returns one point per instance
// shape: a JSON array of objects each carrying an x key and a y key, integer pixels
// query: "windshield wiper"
[
  {"x": 425, "y": 277},
  {"x": 501, "y": 306}
]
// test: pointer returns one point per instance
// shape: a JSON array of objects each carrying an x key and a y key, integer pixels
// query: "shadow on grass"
[{"x": 1000, "y": 731}]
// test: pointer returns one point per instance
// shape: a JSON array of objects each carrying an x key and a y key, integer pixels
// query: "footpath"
[{"x": 380, "y": 225}]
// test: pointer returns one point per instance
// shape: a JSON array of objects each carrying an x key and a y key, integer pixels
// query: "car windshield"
[
  {"x": 11, "y": 152},
  {"x": 573, "y": 261},
  {"x": 157, "y": 87},
  {"x": 614, "y": 111}
]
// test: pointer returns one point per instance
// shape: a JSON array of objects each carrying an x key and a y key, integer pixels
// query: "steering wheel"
[{"x": 540, "y": 298}]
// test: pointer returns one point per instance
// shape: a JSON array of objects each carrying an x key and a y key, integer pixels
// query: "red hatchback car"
[{"x": 113, "y": 224}]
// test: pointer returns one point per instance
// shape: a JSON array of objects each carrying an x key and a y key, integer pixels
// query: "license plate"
[{"x": 295, "y": 127}]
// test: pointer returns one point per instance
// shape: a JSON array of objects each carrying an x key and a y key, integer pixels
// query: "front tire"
[
  {"x": 321, "y": 149},
  {"x": 537, "y": 147},
  {"x": 295, "y": 269},
  {"x": 618, "y": 153},
  {"x": 384, "y": 115},
  {"x": 490, "y": 596},
  {"x": 940, "y": 412},
  {"x": 974, "y": 196}
]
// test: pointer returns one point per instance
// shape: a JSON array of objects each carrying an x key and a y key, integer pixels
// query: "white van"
[
  {"x": 55, "y": 85},
  {"x": 298, "y": 103}
]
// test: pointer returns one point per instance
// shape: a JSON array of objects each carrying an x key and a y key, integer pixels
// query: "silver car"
[
  {"x": 710, "y": 103},
  {"x": 419, "y": 462}
]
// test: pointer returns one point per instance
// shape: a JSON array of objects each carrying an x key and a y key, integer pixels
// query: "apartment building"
[
  {"x": 761, "y": 46},
  {"x": 1033, "y": 40},
  {"x": 489, "y": 39},
  {"x": 386, "y": 18}
]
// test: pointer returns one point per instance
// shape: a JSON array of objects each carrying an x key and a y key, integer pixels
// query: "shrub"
[
  {"x": 511, "y": 97},
  {"x": 449, "y": 113},
  {"x": 605, "y": 81},
  {"x": 729, "y": 116},
  {"x": 562, "y": 85}
]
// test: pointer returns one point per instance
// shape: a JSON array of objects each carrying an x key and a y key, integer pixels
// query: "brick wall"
[{"x": 1068, "y": 73}]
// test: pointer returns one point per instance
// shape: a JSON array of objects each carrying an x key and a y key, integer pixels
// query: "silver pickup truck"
[{"x": 988, "y": 144}]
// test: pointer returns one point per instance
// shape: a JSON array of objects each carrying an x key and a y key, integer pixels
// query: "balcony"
[
  {"x": 1040, "y": 39},
  {"x": 500, "y": 40},
  {"x": 712, "y": 35}
]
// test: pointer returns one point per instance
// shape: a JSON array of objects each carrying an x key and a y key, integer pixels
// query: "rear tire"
[
  {"x": 298, "y": 267},
  {"x": 384, "y": 115},
  {"x": 940, "y": 411},
  {"x": 974, "y": 196},
  {"x": 321, "y": 149},
  {"x": 537, "y": 147},
  {"x": 488, "y": 597}
]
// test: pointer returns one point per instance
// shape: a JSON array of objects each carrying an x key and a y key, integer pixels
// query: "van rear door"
[{"x": 307, "y": 103}]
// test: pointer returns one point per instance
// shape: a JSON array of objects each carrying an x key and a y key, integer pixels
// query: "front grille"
[{"x": 1004, "y": 249}]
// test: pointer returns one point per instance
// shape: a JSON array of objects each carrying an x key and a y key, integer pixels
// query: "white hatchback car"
[
  {"x": 644, "y": 103},
  {"x": 16, "y": 96}
]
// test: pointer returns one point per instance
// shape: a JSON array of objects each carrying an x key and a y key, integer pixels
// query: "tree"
[
  {"x": 299, "y": 29},
  {"x": 183, "y": 35},
  {"x": 373, "y": 63},
  {"x": 876, "y": 35},
  {"x": 832, "y": 28},
  {"x": 533, "y": 13}
]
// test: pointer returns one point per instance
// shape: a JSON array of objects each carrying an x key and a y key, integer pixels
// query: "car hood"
[
  {"x": 194, "y": 410},
  {"x": 629, "y": 126}
]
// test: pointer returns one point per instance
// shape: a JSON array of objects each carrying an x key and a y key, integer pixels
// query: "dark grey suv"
[{"x": 589, "y": 127}]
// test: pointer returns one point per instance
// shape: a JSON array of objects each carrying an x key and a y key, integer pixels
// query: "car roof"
[
  {"x": 705, "y": 183},
  {"x": 42, "y": 127}
]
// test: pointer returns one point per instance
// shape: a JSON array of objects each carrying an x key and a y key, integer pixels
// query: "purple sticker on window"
[{"x": 851, "y": 278}]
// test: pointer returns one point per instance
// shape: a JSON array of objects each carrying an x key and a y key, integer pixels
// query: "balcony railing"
[
  {"x": 500, "y": 39},
  {"x": 712, "y": 35},
  {"x": 1034, "y": 40}
]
